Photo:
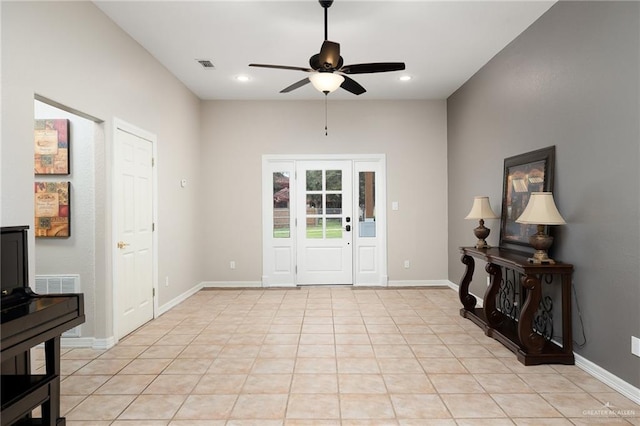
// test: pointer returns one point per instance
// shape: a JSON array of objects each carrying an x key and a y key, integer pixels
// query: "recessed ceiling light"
[
  {"x": 405, "y": 78},
  {"x": 243, "y": 78}
]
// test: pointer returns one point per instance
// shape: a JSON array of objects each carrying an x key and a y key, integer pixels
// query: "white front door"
[
  {"x": 133, "y": 260},
  {"x": 324, "y": 212}
]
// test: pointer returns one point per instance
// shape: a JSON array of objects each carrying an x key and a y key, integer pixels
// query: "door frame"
[
  {"x": 280, "y": 271},
  {"x": 122, "y": 125}
]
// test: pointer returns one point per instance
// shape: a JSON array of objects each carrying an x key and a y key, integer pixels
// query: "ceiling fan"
[{"x": 327, "y": 71}]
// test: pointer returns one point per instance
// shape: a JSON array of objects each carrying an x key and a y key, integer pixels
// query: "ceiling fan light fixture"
[{"x": 326, "y": 82}]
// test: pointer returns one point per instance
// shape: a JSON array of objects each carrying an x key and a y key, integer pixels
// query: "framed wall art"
[
  {"x": 52, "y": 209},
  {"x": 523, "y": 174},
  {"x": 51, "y": 144}
]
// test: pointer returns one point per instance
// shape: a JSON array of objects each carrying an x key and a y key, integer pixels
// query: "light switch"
[
  {"x": 183, "y": 183},
  {"x": 394, "y": 205}
]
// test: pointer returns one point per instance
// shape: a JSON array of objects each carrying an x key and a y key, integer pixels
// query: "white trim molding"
[
  {"x": 456, "y": 287},
  {"x": 599, "y": 373},
  {"x": 179, "y": 299},
  {"x": 232, "y": 284},
  {"x": 609, "y": 379},
  {"x": 418, "y": 283}
]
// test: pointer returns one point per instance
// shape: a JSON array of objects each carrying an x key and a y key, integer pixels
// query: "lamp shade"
[
  {"x": 326, "y": 82},
  {"x": 541, "y": 210},
  {"x": 481, "y": 209}
]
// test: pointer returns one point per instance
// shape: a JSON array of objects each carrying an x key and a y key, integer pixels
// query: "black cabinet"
[{"x": 27, "y": 320}]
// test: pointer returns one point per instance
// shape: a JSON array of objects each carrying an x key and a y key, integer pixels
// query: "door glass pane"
[
  {"x": 314, "y": 203},
  {"x": 334, "y": 228},
  {"x": 334, "y": 203},
  {"x": 334, "y": 180},
  {"x": 314, "y": 227},
  {"x": 323, "y": 196},
  {"x": 367, "y": 203},
  {"x": 314, "y": 180},
  {"x": 281, "y": 210}
]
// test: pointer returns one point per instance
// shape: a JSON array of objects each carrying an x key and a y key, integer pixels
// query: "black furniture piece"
[
  {"x": 521, "y": 330},
  {"x": 27, "y": 320}
]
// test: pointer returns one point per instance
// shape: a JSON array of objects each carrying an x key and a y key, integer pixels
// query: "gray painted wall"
[{"x": 570, "y": 80}]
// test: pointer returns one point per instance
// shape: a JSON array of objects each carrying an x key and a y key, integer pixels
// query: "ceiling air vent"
[{"x": 206, "y": 64}]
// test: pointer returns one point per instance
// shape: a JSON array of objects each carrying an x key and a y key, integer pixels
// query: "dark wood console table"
[{"x": 518, "y": 334}]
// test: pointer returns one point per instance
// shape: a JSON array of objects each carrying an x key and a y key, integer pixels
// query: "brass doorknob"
[{"x": 122, "y": 244}]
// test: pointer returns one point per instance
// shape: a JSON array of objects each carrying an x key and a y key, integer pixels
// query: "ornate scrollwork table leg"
[
  {"x": 532, "y": 341},
  {"x": 467, "y": 300},
  {"x": 493, "y": 315}
]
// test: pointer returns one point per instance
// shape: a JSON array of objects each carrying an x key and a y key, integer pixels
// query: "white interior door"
[
  {"x": 133, "y": 260},
  {"x": 324, "y": 222}
]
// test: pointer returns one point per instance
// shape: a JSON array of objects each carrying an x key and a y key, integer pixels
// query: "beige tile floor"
[{"x": 325, "y": 356}]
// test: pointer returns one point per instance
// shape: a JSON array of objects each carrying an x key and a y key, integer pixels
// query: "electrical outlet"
[
  {"x": 407, "y": 264},
  {"x": 166, "y": 281},
  {"x": 635, "y": 346},
  {"x": 232, "y": 264}
]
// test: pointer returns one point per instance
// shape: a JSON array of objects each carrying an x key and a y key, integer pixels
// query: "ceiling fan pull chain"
[{"x": 326, "y": 132}]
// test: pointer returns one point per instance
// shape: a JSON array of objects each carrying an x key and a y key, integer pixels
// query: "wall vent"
[{"x": 53, "y": 284}]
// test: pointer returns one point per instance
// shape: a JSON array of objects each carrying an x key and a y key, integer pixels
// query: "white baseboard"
[
  {"x": 418, "y": 283},
  {"x": 594, "y": 370},
  {"x": 287, "y": 285},
  {"x": 177, "y": 300},
  {"x": 455, "y": 287},
  {"x": 231, "y": 284},
  {"x": 609, "y": 379}
]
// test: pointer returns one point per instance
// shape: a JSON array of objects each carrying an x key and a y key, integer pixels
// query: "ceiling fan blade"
[
  {"x": 350, "y": 85},
  {"x": 281, "y": 67},
  {"x": 294, "y": 86},
  {"x": 372, "y": 68},
  {"x": 329, "y": 57}
]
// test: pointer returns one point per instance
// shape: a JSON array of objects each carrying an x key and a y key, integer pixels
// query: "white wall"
[
  {"x": 236, "y": 134},
  {"x": 72, "y": 53}
]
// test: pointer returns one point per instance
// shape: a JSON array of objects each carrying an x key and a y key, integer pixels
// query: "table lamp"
[
  {"x": 481, "y": 209},
  {"x": 541, "y": 210}
]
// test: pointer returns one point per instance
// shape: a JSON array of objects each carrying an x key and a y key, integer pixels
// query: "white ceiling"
[{"x": 443, "y": 43}]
